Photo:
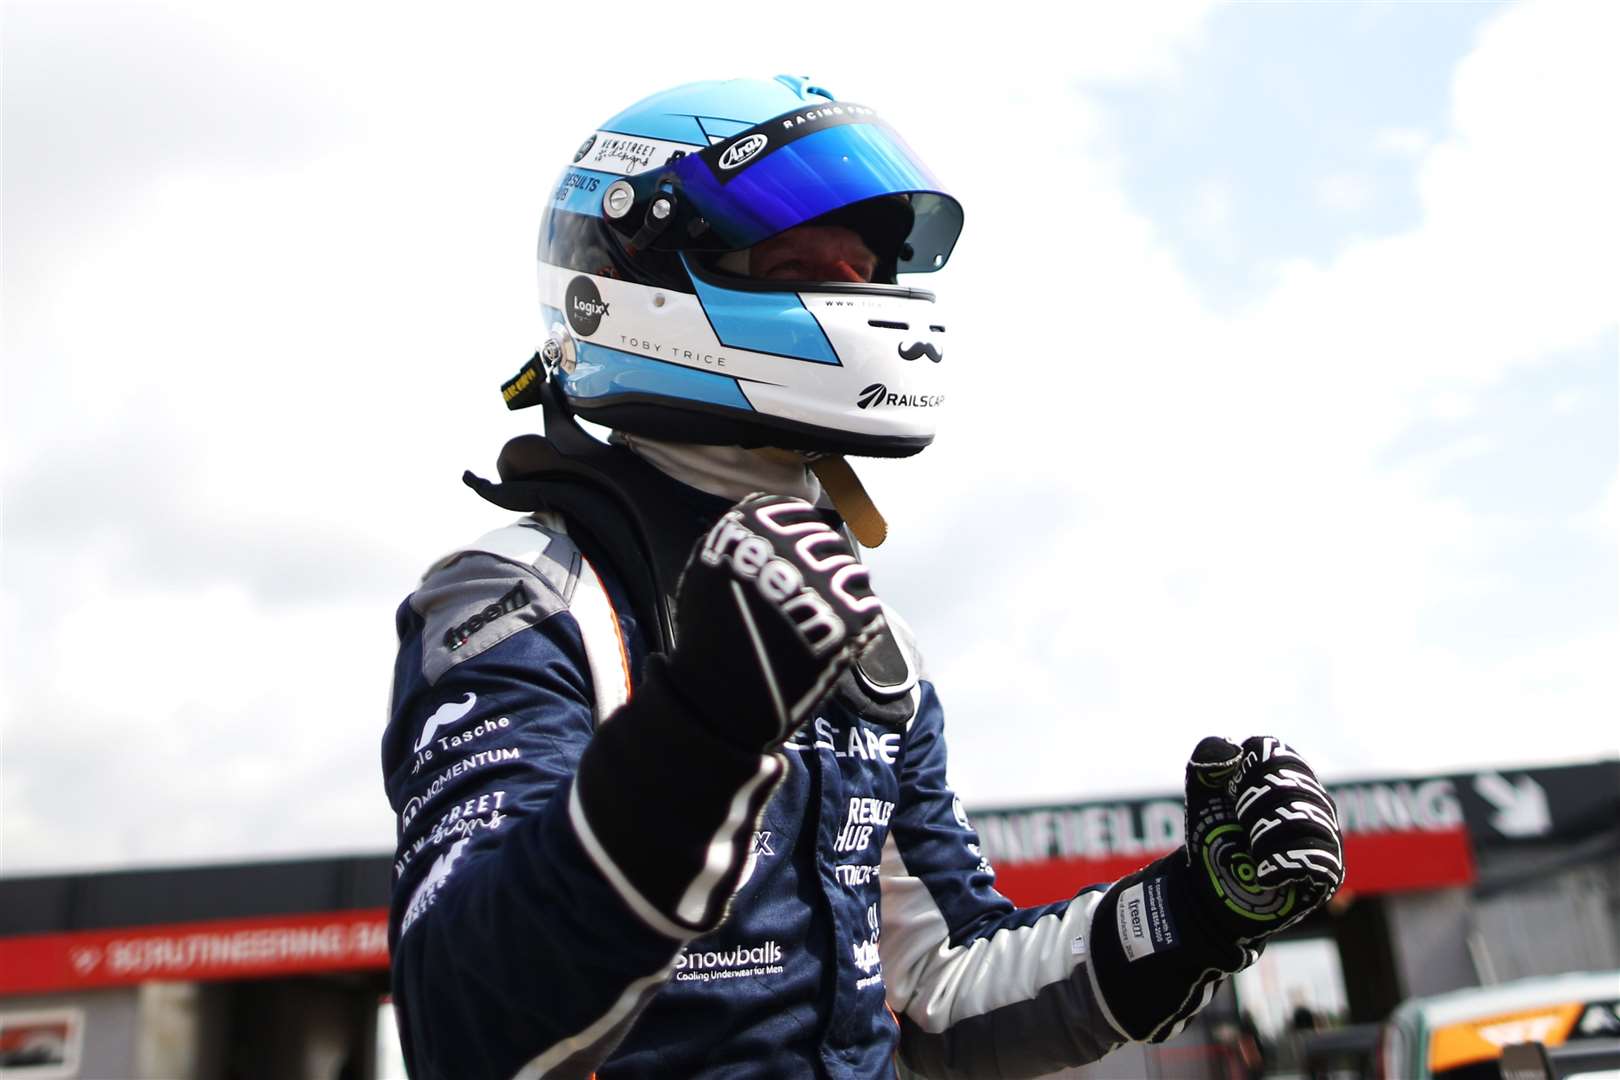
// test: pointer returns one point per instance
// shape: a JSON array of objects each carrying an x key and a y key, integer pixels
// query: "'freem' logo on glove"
[{"x": 778, "y": 580}]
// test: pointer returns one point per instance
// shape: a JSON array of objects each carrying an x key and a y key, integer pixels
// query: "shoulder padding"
[
  {"x": 479, "y": 595},
  {"x": 536, "y": 541},
  {"x": 907, "y": 638}
]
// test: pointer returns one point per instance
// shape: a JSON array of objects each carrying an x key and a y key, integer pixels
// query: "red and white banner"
[
  {"x": 1374, "y": 863},
  {"x": 1398, "y": 836},
  {"x": 223, "y": 949}
]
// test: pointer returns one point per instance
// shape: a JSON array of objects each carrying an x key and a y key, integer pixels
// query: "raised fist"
[
  {"x": 1262, "y": 835},
  {"x": 771, "y": 608},
  {"x": 1263, "y": 851}
]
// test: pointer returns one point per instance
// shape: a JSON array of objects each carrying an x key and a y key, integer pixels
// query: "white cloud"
[
  {"x": 1344, "y": 192},
  {"x": 1601, "y": 520},
  {"x": 1208, "y": 218},
  {"x": 1402, "y": 142},
  {"x": 240, "y": 394},
  {"x": 1451, "y": 404},
  {"x": 1244, "y": 453}
]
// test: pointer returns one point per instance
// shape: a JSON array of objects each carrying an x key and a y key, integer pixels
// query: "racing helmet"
[{"x": 651, "y": 329}]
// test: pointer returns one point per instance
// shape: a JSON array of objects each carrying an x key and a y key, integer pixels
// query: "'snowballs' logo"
[
  {"x": 743, "y": 151},
  {"x": 584, "y": 306}
]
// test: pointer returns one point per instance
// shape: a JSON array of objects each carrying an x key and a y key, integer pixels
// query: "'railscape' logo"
[{"x": 877, "y": 394}]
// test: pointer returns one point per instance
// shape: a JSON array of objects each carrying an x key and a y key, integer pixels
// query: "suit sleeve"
[
  {"x": 981, "y": 988},
  {"x": 547, "y": 874}
]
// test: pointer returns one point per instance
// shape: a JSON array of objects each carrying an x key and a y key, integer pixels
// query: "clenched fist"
[
  {"x": 771, "y": 608},
  {"x": 1262, "y": 835},
  {"x": 1263, "y": 851}
]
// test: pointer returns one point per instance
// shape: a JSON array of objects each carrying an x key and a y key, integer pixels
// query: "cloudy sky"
[{"x": 1285, "y": 353}]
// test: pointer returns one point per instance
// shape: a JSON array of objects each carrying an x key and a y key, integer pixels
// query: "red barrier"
[
  {"x": 1375, "y": 862},
  {"x": 222, "y": 949}
]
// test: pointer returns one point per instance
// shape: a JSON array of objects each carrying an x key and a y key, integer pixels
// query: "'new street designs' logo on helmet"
[
  {"x": 584, "y": 306},
  {"x": 585, "y": 148},
  {"x": 878, "y": 394},
  {"x": 743, "y": 151}
]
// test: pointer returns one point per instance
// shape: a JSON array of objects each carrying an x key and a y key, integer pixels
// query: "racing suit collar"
[{"x": 730, "y": 472}]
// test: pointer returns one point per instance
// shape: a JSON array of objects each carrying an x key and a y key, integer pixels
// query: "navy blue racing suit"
[{"x": 859, "y": 920}]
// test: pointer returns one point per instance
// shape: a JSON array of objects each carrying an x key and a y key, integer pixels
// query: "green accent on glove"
[{"x": 1243, "y": 874}]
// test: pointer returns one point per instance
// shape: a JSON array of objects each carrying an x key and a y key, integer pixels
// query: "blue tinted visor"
[{"x": 799, "y": 167}]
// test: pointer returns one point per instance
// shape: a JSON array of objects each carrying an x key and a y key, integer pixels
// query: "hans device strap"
[{"x": 611, "y": 500}]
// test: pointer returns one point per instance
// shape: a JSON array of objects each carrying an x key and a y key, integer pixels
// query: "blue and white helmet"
[{"x": 648, "y": 331}]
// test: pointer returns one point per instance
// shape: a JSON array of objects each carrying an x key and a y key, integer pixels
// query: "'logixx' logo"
[
  {"x": 584, "y": 306},
  {"x": 878, "y": 394},
  {"x": 921, "y": 348},
  {"x": 743, "y": 151}
]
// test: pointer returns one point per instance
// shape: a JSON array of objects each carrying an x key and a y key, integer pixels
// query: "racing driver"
[{"x": 670, "y": 779}]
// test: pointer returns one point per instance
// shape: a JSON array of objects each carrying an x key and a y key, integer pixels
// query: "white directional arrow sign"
[{"x": 1521, "y": 807}]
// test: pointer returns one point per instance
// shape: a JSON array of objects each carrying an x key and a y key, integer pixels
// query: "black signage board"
[
  {"x": 1534, "y": 805},
  {"x": 1499, "y": 807}
]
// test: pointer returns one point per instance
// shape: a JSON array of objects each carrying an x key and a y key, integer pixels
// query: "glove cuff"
[
  {"x": 705, "y": 703},
  {"x": 653, "y": 770},
  {"x": 1158, "y": 958}
]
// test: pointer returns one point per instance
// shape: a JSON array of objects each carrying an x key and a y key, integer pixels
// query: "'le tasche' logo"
[
  {"x": 921, "y": 348},
  {"x": 584, "y": 306}
]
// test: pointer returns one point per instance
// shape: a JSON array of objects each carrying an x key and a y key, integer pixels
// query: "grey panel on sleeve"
[
  {"x": 1029, "y": 1038},
  {"x": 507, "y": 581}
]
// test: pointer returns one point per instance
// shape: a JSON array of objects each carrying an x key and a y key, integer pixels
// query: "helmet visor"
[{"x": 792, "y": 170}]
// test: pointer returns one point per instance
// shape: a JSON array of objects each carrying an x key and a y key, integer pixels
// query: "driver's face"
[{"x": 813, "y": 253}]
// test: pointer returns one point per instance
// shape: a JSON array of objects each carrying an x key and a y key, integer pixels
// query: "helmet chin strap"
[{"x": 843, "y": 487}]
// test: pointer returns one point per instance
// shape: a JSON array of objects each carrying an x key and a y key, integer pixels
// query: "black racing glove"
[
  {"x": 771, "y": 608},
  {"x": 1263, "y": 851},
  {"x": 1265, "y": 834}
]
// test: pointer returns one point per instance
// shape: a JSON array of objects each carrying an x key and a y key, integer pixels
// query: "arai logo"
[{"x": 743, "y": 151}]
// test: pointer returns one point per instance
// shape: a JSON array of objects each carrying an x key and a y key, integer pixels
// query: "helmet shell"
[{"x": 654, "y": 338}]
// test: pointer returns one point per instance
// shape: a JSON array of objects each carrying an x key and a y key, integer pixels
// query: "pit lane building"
[{"x": 279, "y": 970}]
